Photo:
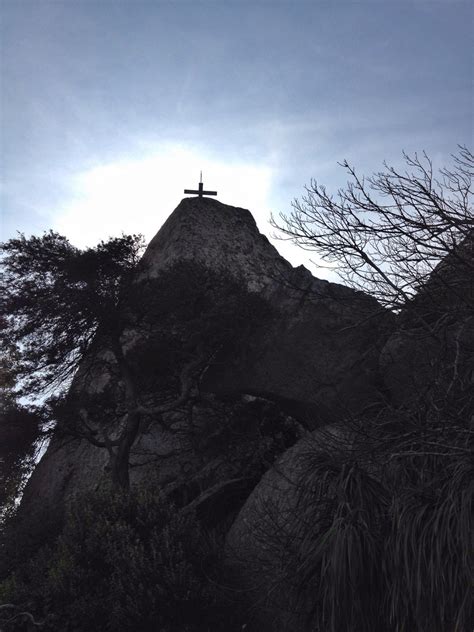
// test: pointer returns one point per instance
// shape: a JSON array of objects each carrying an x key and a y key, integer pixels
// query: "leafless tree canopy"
[{"x": 386, "y": 234}]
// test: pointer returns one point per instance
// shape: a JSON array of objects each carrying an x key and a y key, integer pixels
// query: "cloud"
[{"x": 137, "y": 194}]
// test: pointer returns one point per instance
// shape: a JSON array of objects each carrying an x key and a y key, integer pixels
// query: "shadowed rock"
[{"x": 313, "y": 358}]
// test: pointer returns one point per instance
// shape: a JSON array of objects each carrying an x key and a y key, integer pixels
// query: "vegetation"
[
  {"x": 386, "y": 234},
  {"x": 384, "y": 540},
  {"x": 20, "y": 430},
  {"x": 56, "y": 297},
  {"x": 124, "y": 562},
  {"x": 75, "y": 312}
]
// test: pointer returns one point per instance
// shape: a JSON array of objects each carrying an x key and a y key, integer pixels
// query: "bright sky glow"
[
  {"x": 138, "y": 195},
  {"x": 108, "y": 110}
]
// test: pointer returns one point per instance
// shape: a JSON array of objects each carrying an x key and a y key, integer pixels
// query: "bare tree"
[
  {"x": 406, "y": 238},
  {"x": 386, "y": 234}
]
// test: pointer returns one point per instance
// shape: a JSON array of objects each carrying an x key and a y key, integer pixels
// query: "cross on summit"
[{"x": 200, "y": 192}]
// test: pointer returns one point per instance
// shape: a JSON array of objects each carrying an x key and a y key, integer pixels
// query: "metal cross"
[{"x": 200, "y": 192}]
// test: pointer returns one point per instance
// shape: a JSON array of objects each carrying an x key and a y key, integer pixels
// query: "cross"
[{"x": 200, "y": 192}]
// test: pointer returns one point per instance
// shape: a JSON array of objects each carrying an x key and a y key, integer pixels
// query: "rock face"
[
  {"x": 262, "y": 543},
  {"x": 314, "y": 358},
  {"x": 427, "y": 366},
  {"x": 312, "y": 353},
  {"x": 217, "y": 235},
  {"x": 432, "y": 347}
]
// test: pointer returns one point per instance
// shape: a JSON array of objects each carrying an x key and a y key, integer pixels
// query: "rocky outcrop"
[
  {"x": 312, "y": 359},
  {"x": 430, "y": 354},
  {"x": 264, "y": 543},
  {"x": 318, "y": 352},
  {"x": 218, "y": 236},
  {"x": 427, "y": 365}
]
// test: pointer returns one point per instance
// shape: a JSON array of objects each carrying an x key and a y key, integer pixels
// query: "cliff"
[{"x": 310, "y": 358}]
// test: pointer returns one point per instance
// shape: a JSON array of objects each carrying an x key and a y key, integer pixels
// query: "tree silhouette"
[
  {"x": 386, "y": 234},
  {"x": 384, "y": 517},
  {"x": 89, "y": 314}
]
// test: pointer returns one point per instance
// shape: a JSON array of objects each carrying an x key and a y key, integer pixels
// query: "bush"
[
  {"x": 383, "y": 534},
  {"x": 124, "y": 562}
]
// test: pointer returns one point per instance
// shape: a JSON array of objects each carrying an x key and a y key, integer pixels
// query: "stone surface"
[
  {"x": 313, "y": 355},
  {"x": 266, "y": 532},
  {"x": 314, "y": 359},
  {"x": 432, "y": 346},
  {"x": 206, "y": 231},
  {"x": 427, "y": 365}
]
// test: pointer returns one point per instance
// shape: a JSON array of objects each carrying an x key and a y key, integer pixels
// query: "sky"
[{"x": 110, "y": 108}]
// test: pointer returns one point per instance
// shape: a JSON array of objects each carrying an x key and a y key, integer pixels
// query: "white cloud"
[{"x": 138, "y": 194}]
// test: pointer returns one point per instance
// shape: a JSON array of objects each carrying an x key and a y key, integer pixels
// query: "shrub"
[
  {"x": 383, "y": 534},
  {"x": 124, "y": 562}
]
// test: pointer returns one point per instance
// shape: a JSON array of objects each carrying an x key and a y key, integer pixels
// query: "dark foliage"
[
  {"x": 384, "y": 537},
  {"x": 124, "y": 562},
  {"x": 20, "y": 430},
  {"x": 55, "y": 297},
  {"x": 383, "y": 533},
  {"x": 188, "y": 312},
  {"x": 69, "y": 308}
]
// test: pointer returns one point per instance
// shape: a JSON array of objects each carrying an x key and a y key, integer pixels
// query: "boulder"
[
  {"x": 429, "y": 357},
  {"x": 262, "y": 546}
]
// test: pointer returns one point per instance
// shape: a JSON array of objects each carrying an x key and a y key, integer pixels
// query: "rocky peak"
[
  {"x": 312, "y": 357},
  {"x": 218, "y": 236}
]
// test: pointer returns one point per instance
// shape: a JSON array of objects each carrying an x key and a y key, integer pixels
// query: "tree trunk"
[
  {"x": 120, "y": 459},
  {"x": 119, "y": 468}
]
